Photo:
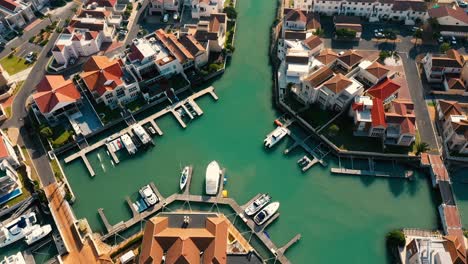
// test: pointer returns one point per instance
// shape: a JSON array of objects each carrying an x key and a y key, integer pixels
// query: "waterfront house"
[
  {"x": 438, "y": 67},
  {"x": 84, "y": 36},
  {"x": 372, "y": 72},
  {"x": 338, "y": 92},
  {"x": 369, "y": 117},
  {"x": 194, "y": 238},
  {"x": 307, "y": 91},
  {"x": 311, "y": 45},
  {"x": 108, "y": 82},
  {"x": 349, "y": 60},
  {"x": 401, "y": 123},
  {"x": 296, "y": 20},
  {"x": 299, "y": 64},
  {"x": 16, "y": 14},
  {"x": 7, "y": 151},
  {"x": 204, "y": 8},
  {"x": 445, "y": 249},
  {"x": 314, "y": 44},
  {"x": 453, "y": 124},
  {"x": 56, "y": 97},
  {"x": 212, "y": 32},
  {"x": 162, "y": 6},
  {"x": 386, "y": 91}
]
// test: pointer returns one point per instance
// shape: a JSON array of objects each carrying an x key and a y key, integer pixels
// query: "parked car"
[
  {"x": 175, "y": 16},
  {"x": 30, "y": 57},
  {"x": 440, "y": 39},
  {"x": 453, "y": 40},
  {"x": 462, "y": 4},
  {"x": 72, "y": 61},
  {"x": 166, "y": 18},
  {"x": 379, "y": 35}
]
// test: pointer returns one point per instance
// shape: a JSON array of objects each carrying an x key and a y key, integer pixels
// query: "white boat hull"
[
  {"x": 213, "y": 172},
  {"x": 266, "y": 213},
  {"x": 38, "y": 234},
  {"x": 184, "y": 177}
]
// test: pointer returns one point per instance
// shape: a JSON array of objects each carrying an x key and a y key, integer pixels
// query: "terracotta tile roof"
[
  {"x": 384, "y": 89},
  {"x": 58, "y": 47},
  {"x": 449, "y": 108},
  {"x": 318, "y": 77},
  {"x": 103, "y": 3},
  {"x": 446, "y": 10},
  {"x": 350, "y": 58},
  {"x": 101, "y": 74},
  {"x": 455, "y": 83},
  {"x": 52, "y": 90},
  {"x": 454, "y": 54},
  {"x": 89, "y": 35},
  {"x": 295, "y": 15},
  {"x": 312, "y": 42},
  {"x": 402, "y": 113},
  {"x": 9, "y": 4},
  {"x": 338, "y": 83},
  {"x": 327, "y": 56},
  {"x": 405, "y": 5},
  {"x": 215, "y": 21},
  {"x": 452, "y": 217},
  {"x": 445, "y": 62},
  {"x": 192, "y": 45},
  {"x": 313, "y": 21},
  {"x": 438, "y": 167},
  {"x": 171, "y": 42},
  {"x": 3, "y": 149},
  {"x": 455, "y": 245},
  {"x": 377, "y": 70},
  {"x": 184, "y": 245},
  {"x": 378, "y": 113}
]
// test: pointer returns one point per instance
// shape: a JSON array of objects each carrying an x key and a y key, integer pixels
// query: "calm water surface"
[{"x": 344, "y": 214}]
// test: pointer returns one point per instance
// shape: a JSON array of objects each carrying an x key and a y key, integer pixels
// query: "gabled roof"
[
  {"x": 456, "y": 249},
  {"x": 338, "y": 83},
  {"x": 378, "y": 113},
  {"x": 3, "y": 149},
  {"x": 192, "y": 45},
  {"x": 350, "y": 58},
  {"x": 455, "y": 83},
  {"x": 171, "y": 42},
  {"x": 9, "y": 4},
  {"x": 449, "y": 108},
  {"x": 319, "y": 76},
  {"x": 58, "y": 47},
  {"x": 295, "y": 15},
  {"x": 405, "y": 5},
  {"x": 377, "y": 70},
  {"x": 327, "y": 56},
  {"x": 402, "y": 113},
  {"x": 52, "y": 90},
  {"x": 101, "y": 74},
  {"x": 216, "y": 20},
  {"x": 383, "y": 89},
  {"x": 447, "y": 10},
  {"x": 312, "y": 42}
]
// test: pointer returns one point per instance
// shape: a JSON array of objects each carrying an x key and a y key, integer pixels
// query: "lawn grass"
[
  {"x": 56, "y": 169},
  {"x": 61, "y": 139},
  {"x": 14, "y": 64},
  {"x": 109, "y": 114},
  {"x": 136, "y": 104},
  {"x": 8, "y": 111}
]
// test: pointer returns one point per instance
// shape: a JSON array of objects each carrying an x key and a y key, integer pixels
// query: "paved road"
[{"x": 408, "y": 52}]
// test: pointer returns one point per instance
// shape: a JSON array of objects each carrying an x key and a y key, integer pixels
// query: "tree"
[
  {"x": 417, "y": 35},
  {"x": 396, "y": 238},
  {"x": 230, "y": 12},
  {"x": 319, "y": 32},
  {"x": 421, "y": 147},
  {"x": 384, "y": 54},
  {"x": 345, "y": 33},
  {"x": 333, "y": 130},
  {"x": 46, "y": 132},
  {"x": 444, "y": 47}
]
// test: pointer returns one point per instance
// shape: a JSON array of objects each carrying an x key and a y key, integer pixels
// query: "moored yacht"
[
  {"x": 38, "y": 233},
  {"x": 17, "y": 229},
  {"x": 213, "y": 173},
  {"x": 184, "y": 177},
  {"x": 128, "y": 143},
  {"x": 258, "y": 204},
  {"x": 275, "y": 136},
  {"x": 266, "y": 213}
]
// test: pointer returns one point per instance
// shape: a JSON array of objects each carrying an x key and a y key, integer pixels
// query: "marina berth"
[
  {"x": 266, "y": 213},
  {"x": 148, "y": 195},
  {"x": 141, "y": 133},
  {"x": 128, "y": 143},
  {"x": 213, "y": 173},
  {"x": 184, "y": 177},
  {"x": 275, "y": 136},
  {"x": 257, "y": 204}
]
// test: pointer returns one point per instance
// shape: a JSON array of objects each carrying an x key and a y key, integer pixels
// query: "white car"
[
  {"x": 148, "y": 195},
  {"x": 379, "y": 35},
  {"x": 453, "y": 40},
  {"x": 340, "y": 53},
  {"x": 441, "y": 39},
  {"x": 166, "y": 18},
  {"x": 175, "y": 16}
]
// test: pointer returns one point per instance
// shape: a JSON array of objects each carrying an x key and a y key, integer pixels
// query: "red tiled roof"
[
  {"x": 327, "y": 56},
  {"x": 377, "y": 70},
  {"x": 357, "y": 106},
  {"x": 171, "y": 42},
  {"x": 455, "y": 83},
  {"x": 455, "y": 245},
  {"x": 52, "y": 90},
  {"x": 449, "y": 108},
  {"x": 338, "y": 83},
  {"x": 3, "y": 150},
  {"x": 9, "y": 4},
  {"x": 350, "y": 58},
  {"x": 58, "y": 47},
  {"x": 378, "y": 113},
  {"x": 446, "y": 10},
  {"x": 312, "y": 42},
  {"x": 452, "y": 217},
  {"x": 384, "y": 89},
  {"x": 295, "y": 15},
  {"x": 101, "y": 74}
]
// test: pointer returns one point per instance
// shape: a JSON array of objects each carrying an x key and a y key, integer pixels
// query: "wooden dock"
[
  {"x": 113, "y": 155},
  {"x": 130, "y": 204},
  {"x": 298, "y": 142},
  {"x": 360, "y": 172},
  {"x": 151, "y": 119},
  {"x": 178, "y": 118},
  {"x": 196, "y": 107},
  {"x": 187, "y": 111}
]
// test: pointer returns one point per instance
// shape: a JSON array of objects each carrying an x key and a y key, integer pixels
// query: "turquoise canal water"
[{"x": 341, "y": 218}]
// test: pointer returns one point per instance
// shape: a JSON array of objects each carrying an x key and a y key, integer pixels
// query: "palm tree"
[
  {"x": 421, "y": 147},
  {"x": 417, "y": 35}
]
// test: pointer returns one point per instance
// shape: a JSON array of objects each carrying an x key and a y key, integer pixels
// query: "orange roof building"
[{"x": 56, "y": 96}]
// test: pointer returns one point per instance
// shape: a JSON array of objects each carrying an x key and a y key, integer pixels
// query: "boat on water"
[
  {"x": 140, "y": 205},
  {"x": 38, "y": 233},
  {"x": 141, "y": 134},
  {"x": 213, "y": 171},
  {"x": 184, "y": 177},
  {"x": 257, "y": 204},
  {"x": 266, "y": 213},
  {"x": 128, "y": 143},
  {"x": 14, "y": 259},
  {"x": 17, "y": 229},
  {"x": 148, "y": 195},
  {"x": 275, "y": 136}
]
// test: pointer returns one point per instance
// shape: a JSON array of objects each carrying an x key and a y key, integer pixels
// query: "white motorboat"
[
  {"x": 141, "y": 133},
  {"x": 275, "y": 136},
  {"x": 213, "y": 173},
  {"x": 266, "y": 213},
  {"x": 148, "y": 195},
  {"x": 17, "y": 229},
  {"x": 14, "y": 259},
  {"x": 258, "y": 204},
  {"x": 184, "y": 177},
  {"x": 128, "y": 143},
  {"x": 38, "y": 233}
]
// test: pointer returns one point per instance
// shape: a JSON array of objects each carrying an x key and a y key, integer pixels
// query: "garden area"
[
  {"x": 57, "y": 136},
  {"x": 43, "y": 37},
  {"x": 106, "y": 114},
  {"x": 13, "y": 64}
]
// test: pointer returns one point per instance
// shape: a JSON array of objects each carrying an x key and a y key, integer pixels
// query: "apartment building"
[
  {"x": 163, "y": 6},
  {"x": 16, "y": 14},
  {"x": 453, "y": 124},
  {"x": 204, "y": 8},
  {"x": 438, "y": 67}
]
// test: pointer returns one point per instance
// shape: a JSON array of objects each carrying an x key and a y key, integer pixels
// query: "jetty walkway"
[
  {"x": 258, "y": 231},
  {"x": 151, "y": 120}
]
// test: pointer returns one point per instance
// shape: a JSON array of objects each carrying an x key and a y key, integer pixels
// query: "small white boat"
[
  {"x": 184, "y": 177},
  {"x": 14, "y": 259},
  {"x": 128, "y": 143},
  {"x": 38, "y": 233},
  {"x": 148, "y": 195},
  {"x": 258, "y": 204},
  {"x": 213, "y": 173},
  {"x": 266, "y": 213},
  {"x": 275, "y": 136},
  {"x": 17, "y": 229}
]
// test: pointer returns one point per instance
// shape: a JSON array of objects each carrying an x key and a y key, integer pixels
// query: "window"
[
  {"x": 132, "y": 89},
  {"x": 108, "y": 96}
]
